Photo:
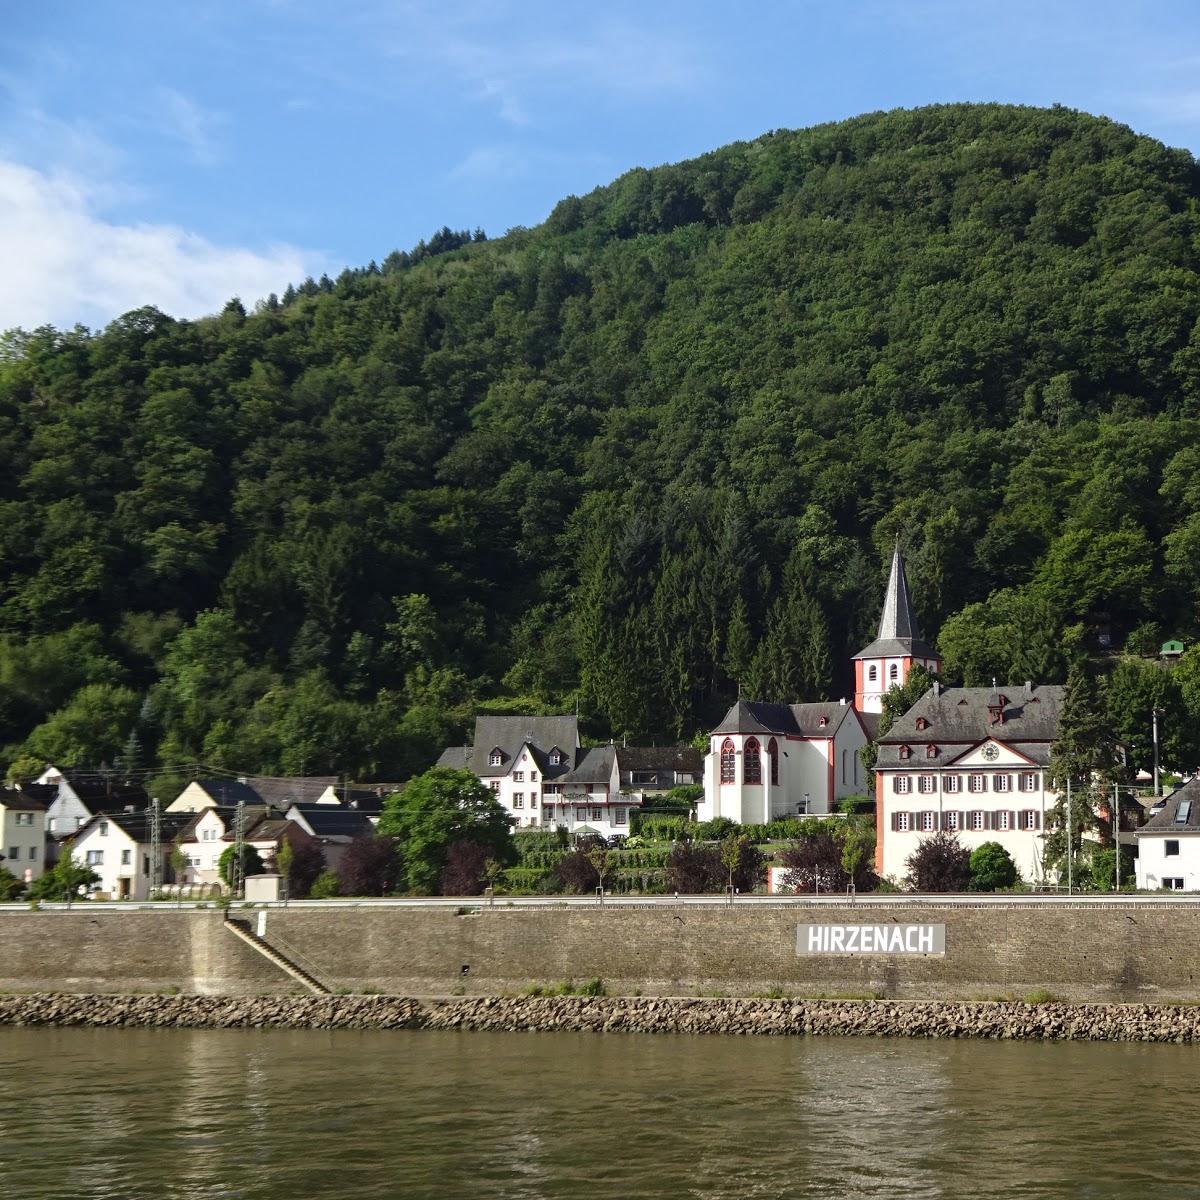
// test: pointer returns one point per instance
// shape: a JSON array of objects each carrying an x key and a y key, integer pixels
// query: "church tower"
[{"x": 887, "y": 661}]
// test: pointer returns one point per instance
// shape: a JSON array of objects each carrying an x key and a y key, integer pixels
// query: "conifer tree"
[{"x": 1083, "y": 754}]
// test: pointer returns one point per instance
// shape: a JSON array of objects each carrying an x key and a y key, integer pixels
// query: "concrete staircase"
[{"x": 241, "y": 929}]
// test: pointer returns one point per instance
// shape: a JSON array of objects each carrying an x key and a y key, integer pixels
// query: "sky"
[{"x": 178, "y": 154}]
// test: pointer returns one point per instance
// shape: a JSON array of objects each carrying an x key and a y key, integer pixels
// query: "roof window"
[{"x": 496, "y": 757}]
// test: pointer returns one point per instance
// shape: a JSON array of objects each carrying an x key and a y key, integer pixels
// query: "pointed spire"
[{"x": 898, "y": 619}]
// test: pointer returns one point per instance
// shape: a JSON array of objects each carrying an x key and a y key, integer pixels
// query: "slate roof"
[
  {"x": 664, "y": 761},
  {"x": 958, "y": 718},
  {"x": 21, "y": 800},
  {"x": 1164, "y": 822},
  {"x": 593, "y": 765},
  {"x": 333, "y": 820},
  {"x": 282, "y": 791},
  {"x": 899, "y": 631},
  {"x": 228, "y": 791},
  {"x": 137, "y": 824},
  {"x": 799, "y": 720},
  {"x": 270, "y": 829},
  {"x": 509, "y": 734},
  {"x": 102, "y": 792}
]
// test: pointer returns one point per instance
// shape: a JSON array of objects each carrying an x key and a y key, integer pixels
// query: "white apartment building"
[{"x": 973, "y": 762}]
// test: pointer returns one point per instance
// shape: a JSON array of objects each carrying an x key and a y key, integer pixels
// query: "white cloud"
[
  {"x": 183, "y": 119},
  {"x": 64, "y": 262}
]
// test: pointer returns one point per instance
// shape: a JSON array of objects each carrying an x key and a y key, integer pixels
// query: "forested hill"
[{"x": 659, "y": 444}]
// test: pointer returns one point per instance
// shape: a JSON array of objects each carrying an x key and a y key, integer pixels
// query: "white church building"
[{"x": 767, "y": 761}]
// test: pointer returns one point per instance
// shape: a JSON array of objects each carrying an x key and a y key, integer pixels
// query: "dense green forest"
[{"x": 655, "y": 448}]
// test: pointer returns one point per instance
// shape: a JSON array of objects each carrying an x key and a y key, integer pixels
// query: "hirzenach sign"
[{"x": 870, "y": 939}]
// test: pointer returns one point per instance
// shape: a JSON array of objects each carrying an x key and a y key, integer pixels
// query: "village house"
[
  {"x": 973, "y": 762},
  {"x": 332, "y": 826},
  {"x": 213, "y": 793},
  {"x": 22, "y": 834},
  {"x": 208, "y": 834},
  {"x": 1169, "y": 843},
  {"x": 119, "y": 846},
  {"x": 543, "y": 777},
  {"x": 75, "y": 797}
]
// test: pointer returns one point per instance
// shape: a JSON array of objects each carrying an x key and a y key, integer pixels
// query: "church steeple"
[
  {"x": 886, "y": 662},
  {"x": 898, "y": 619}
]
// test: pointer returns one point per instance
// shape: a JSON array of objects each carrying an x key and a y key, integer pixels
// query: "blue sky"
[{"x": 180, "y": 153}]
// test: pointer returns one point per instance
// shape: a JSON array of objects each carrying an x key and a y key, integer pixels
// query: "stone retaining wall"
[{"x": 842, "y": 1018}]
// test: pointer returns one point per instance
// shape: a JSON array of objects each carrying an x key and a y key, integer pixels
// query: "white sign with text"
[{"x": 870, "y": 939}]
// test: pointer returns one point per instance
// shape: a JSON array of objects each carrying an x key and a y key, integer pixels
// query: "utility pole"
[
  {"x": 1068, "y": 839},
  {"x": 1116, "y": 828},
  {"x": 155, "y": 849},
  {"x": 1156, "y": 791},
  {"x": 236, "y": 867}
]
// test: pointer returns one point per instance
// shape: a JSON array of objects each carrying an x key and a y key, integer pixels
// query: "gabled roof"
[
  {"x": 281, "y": 791},
  {"x": 1165, "y": 822},
  {"x": 594, "y": 764},
  {"x": 21, "y": 799},
  {"x": 665, "y": 759},
  {"x": 136, "y": 825},
  {"x": 271, "y": 829},
  {"x": 899, "y": 631},
  {"x": 796, "y": 720},
  {"x": 508, "y": 735},
  {"x": 102, "y": 789},
  {"x": 227, "y": 791},
  {"x": 331, "y": 820}
]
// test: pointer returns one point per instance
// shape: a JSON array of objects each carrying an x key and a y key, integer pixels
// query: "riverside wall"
[{"x": 1081, "y": 953}]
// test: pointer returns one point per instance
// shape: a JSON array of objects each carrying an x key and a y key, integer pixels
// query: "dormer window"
[
  {"x": 496, "y": 758},
  {"x": 823, "y": 722},
  {"x": 931, "y": 751},
  {"x": 556, "y": 757},
  {"x": 922, "y": 723},
  {"x": 905, "y": 752}
]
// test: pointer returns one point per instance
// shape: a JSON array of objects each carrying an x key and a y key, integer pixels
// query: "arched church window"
[
  {"x": 872, "y": 672},
  {"x": 752, "y": 762},
  {"x": 727, "y": 761},
  {"x": 773, "y": 752},
  {"x": 893, "y": 672}
]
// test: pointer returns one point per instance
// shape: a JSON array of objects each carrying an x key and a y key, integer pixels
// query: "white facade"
[
  {"x": 1169, "y": 860},
  {"x": 122, "y": 864},
  {"x": 22, "y": 840},
  {"x": 597, "y": 806},
  {"x": 875, "y": 676},
  {"x": 203, "y": 849},
  {"x": 754, "y": 778},
  {"x": 66, "y": 814},
  {"x": 990, "y": 793}
]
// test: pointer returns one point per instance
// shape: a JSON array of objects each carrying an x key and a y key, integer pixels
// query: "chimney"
[
  {"x": 1029, "y": 689},
  {"x": 937, "y": 688},
  {"x": 842, "y": 701}
]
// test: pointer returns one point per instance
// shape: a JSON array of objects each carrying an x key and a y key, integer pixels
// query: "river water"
[{"x": 191, "y": 1114}]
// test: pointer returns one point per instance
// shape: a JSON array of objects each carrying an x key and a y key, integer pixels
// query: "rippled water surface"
[{"x": 196, "y": 1113}]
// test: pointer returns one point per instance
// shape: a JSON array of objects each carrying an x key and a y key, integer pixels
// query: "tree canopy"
[{"x": 657, "y": 448}]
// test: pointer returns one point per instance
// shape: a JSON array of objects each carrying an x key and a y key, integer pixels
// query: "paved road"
[{"x": 905, "y": 900}]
